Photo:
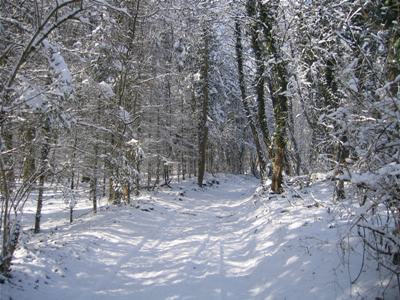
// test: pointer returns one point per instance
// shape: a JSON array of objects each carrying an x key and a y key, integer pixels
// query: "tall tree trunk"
[
  {"x": 72, "y": 186},
  {"x": 29, "y": 163},
  {"x": 242, "y": 85},
  {"x": 332, "y": 97},
  {"x": 93, "y": 180},
  {"x": 255, "y": 28},
  {"x": 137, "y": 180},
  {"x": 93, "y": 192},
  {"x": 6, "y": 194},
  {"x": 204, "y": 126},
  {"x": 264, "y": 48},
  {"x": 277, "y": 87},
  {"x": 43, "y": 170},
  {"x": 259, "y": 87},
  {"x": 39, "y": 205}
]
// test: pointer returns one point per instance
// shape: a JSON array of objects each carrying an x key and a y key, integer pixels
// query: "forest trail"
[{"x": 190, "y": 252}]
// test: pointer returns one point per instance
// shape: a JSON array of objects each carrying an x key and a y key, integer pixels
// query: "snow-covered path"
[
  {"x": 188, "y": 252},
  {"x": 226, "y": 241}
]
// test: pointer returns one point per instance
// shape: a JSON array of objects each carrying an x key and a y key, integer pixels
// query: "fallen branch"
[
  {"x": 317, "y": 201},
  {"x": 292, "y": 189}
]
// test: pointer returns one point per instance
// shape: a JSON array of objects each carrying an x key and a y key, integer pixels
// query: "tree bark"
[
  {"x": 204, "y": 126},
  {"x": 239, "y": 57},
  {"x": 29, "y": 163},
  {"x": 264, "y": 47},
  {"x": 43, "y": 170}
]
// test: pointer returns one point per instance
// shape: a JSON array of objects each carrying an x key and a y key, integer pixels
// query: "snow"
[
  {"x": 197, "y": 77},
  {"x": 106, "y": 4},
  {"x": 352, "y": 84},
  {"x": 32, "y": 96},
  {"x": 106, "y": 89},
  {"x": 58, "y": 64},
  {"x": 133, "y": 142},
  {"x": 229, "y": 240}
]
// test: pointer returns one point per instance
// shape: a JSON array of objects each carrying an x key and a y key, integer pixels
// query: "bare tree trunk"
[
  {"x": 29, "y": 163},
  {"x": 137, "y": 180},
  {"x": 204, "y": 133},
  {"x": 239, "y": 56},
  {"x": 43, "y": 170},
  {"x": 93, "y": 192},
  {"x": 5, "y": 214},
  {"x": 39, "y": 205},
  {"x": 93, "y": 181}
]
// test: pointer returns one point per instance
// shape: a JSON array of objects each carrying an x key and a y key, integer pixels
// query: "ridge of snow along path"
[{"x": 226, "y": 241}]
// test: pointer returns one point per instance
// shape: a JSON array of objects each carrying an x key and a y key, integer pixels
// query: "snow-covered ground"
[{"x": 230, "y": 240}]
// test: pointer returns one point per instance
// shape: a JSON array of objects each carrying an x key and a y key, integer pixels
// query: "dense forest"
[{"x": 126, "y": 95}]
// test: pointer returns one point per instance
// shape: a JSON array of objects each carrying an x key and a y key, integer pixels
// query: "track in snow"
[{"x": 190, "y": 254}]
